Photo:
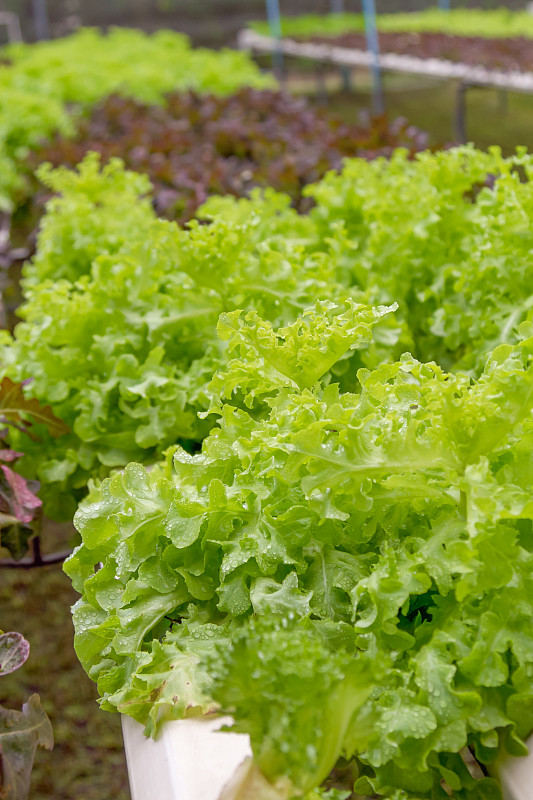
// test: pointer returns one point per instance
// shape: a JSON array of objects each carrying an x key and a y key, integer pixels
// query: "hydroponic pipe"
[
  {"x": 274, "y": 23},
  {"x": 372, "y": 44},
  {"x": 40, "y": 19}
]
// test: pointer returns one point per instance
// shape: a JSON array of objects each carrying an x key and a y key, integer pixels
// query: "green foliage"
[
  {"x": 123, "y": 343},
  {"x": 446, "y": 236},
  {"x": 492, "y": 23},
  {"x": 382, "y": 540},
  {"x": 128, "y": 62},
  {"x": 19, "y": 506},
  {"x": 26, "y": 117},
  {"x": 21, "y": 732},
  {"x": 284, "y": 681},
  {"x": 43, "y": 83},
  {"x": 96, "y": 212},
  {"x": 314, "y": 24},
  {"x": 197, "y": 145},
  {"x": 129, "y": 376}
]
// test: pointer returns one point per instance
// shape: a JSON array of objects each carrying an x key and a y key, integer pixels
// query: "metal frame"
[
  {"x": 274, "y": 24},
  {"x": 467, "y": 77},
  {"x": 12, "y": 24},
  {"x": 461, "y": 110},
  {"x": 40, "y": 19},
  {"x": 337, "y": 7},
  {"x": 372, "y": 43}
]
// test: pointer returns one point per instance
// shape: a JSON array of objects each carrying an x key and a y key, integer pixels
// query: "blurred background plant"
[
  {"x": 21, "y": 732},
  {"x": 209, "y": 22}
]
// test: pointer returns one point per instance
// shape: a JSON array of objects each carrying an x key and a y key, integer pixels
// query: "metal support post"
[
  {"x": 346, "y": 78},
  {"x": 40, "y": 19},
  {"x": 460, "y": 112},
  {"x": 274, "y": 23},
  {"x": 12, "y": 23},
  {"x": 503, "y": 102},
  {"x": 372, "y": 44},
  {"x": 321, "y": 88},
  {"x": 337, "y": 7}
]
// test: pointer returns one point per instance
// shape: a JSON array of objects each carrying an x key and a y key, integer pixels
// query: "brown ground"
[{"x": 87, "y": 762}]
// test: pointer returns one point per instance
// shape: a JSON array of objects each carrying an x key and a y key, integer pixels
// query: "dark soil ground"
[{"x": 87, "y": 762}]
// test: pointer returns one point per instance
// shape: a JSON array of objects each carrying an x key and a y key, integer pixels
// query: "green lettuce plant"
[
  {"x": 26, "y": 118},
  {"x": 128, "y": 62},
  {"x": 347, "y": 573},
  {"x": 121, "y": 308},
  {"x": 485, "y": 23},
  {"x": 444, "y": 235},
  {"x": 131, "y": 374},
  {"x": 44, "y": 86}
]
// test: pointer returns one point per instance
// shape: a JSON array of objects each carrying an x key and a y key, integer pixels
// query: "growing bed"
[
  {"x": 341, "y": 53},
  {"x": 471, "y": 47}
]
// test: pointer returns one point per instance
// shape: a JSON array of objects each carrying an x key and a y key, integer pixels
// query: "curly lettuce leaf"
[
  {"x": 443, "y": 235},
  {"x": 362, "y": 519},
  {"x": 130, "y": 377},
  {"x": 295, "y": 694}
]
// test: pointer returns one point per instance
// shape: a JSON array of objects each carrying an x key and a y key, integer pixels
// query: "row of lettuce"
[
  {"x": 195, "y": 145},
  {"x": 47, "y": 90},
  {"x": 119, "y": 319},
  {"x": 214, "y": 128},
  {"x": 45, "y": 86},
  {"x": 490, "y": 24},
  {"x": 199, "y": 139},
  {"x": 337, "y": 548},
  {"x": 494, "y": 40},
  {"x": 306, "y": 442},
  {"x": 219, "y": 131}
]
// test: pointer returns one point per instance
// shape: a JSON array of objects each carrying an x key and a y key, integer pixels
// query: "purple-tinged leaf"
[
  {"x": 22, "y": 500},
  {"x": 14, "y": 651},
  {"x": 21, "y": 732},
  {"x": 9, "y": 455}
]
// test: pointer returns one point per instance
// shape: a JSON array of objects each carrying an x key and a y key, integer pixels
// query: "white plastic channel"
[
  {"x": 516, "y": 775},
  {"x": 190, "y": 760},
  {"x": 193, "y": 760},
  {"x": 393, "y": 62}
]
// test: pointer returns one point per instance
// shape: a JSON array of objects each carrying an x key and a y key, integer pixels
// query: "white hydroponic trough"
[
  {"x": 190, "y": 760},
  {"x": 393, "y": 62},
  {"x": 193, "y": 760}
]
